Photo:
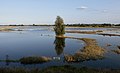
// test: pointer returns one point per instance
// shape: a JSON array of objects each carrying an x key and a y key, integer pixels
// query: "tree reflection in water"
[{"x": 59, "y": 45}]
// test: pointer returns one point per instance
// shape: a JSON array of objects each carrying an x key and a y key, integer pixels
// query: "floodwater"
[{"x": 41, "y": 41}]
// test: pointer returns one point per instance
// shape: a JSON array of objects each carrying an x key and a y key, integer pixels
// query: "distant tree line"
[
  {"x": 117, "y": 25},
  {"x": 16, "y": 25},
  {"x": 89, "y": 25},
  {"x": 30, "y": 25},
  {"x": 93, "y": 25},
  {"x": 75, "y": 25}
]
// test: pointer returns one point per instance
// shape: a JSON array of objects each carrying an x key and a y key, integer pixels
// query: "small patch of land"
[
  {"x": 106, "y": 34},
  {"x": 30, "y": 60},
  {"x": 84, "y": 32},
  {"x": 92, "y": 51},
  {"x": 34, "y": 60},
  {"x": 6, "y": 28}
]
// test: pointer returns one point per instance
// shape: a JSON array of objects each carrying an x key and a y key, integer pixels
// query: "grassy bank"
[
  {"x": 34, "y": 60},
  {"x": 91, "y": 51},
  {"x": 6, "y": 28},
  {"x": 30, "y": 60},
  {"x": 84, "y": 32},
  {"x": 58, "y": 69},
  {"x": 106, "y": 34}
]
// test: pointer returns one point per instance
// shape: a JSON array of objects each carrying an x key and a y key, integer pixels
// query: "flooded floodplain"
[{"x": 35, "y": 41}]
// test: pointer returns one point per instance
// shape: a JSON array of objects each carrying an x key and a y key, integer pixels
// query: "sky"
[{"x": 46, "y": 11}]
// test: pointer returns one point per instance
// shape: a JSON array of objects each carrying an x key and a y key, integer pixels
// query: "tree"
[{"x": 59, "y": 26}]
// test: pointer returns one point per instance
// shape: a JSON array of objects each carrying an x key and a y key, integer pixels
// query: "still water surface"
[{"x": 40, "y": 41}]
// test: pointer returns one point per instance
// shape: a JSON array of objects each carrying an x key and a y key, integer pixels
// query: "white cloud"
[
  {"x": 82, "y": 8},
  {"x": 104, "y": 11},
  {"x": 92, "y": 9}
]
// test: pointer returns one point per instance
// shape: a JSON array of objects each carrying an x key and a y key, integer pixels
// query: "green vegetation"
[
  {"x": 117, "y": 25},
  {"x": 58, "y": 69},
  {"x": 59, "y": 26},
  {"x": 72, "y": 25}
]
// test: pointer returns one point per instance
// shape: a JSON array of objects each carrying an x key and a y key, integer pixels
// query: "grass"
[
  {"x": 84, "y": 32},
  {"x": 9, "y": 60},
  {"x": 116, "y": 51},
  {"x": 58, "y": 69},
  {"x": 106, "y": 34},
  {"x": 6, "y": 28},
  {"x": 34, "y": 60},
  {"x": 70, "y": 69},
  {"x": 92, "y": 51},
  {"x": 30, "y": 60}
]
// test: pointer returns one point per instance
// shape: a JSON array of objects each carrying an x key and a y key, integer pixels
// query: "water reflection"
[
  {"x": 7, "y": 60},
  {"x": 59, "y": 45}
]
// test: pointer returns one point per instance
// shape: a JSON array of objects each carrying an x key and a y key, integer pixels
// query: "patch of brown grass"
[
  {"x": 34, "y": 60},
  {"x": 83, "y": 32},
  {"x": 116, "y": 51},
  {"x": 90, "y": 52},
  {"x": 6, "y": 28}
]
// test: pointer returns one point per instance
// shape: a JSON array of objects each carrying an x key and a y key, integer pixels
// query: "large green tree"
[{"x": 59, "y": 26}]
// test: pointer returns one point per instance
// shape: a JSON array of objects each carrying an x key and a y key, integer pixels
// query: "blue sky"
[{"x": 72, "y": 11}]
